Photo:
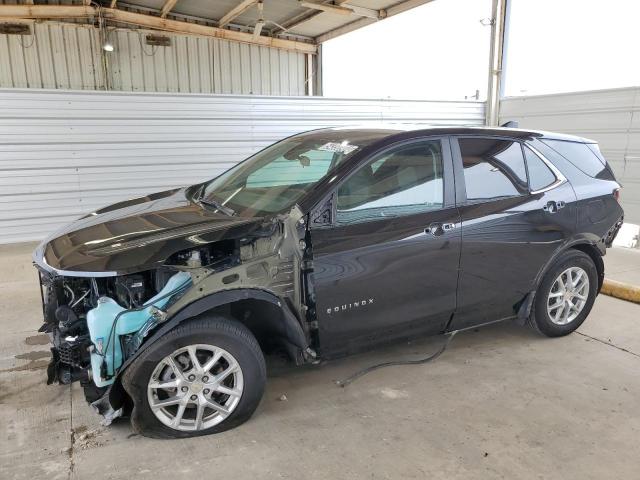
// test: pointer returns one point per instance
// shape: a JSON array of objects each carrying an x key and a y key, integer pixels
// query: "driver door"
[{"x": 387, "y": 266}]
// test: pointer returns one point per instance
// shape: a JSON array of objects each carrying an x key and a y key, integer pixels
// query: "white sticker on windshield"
[{"x": 338, "y": 147}]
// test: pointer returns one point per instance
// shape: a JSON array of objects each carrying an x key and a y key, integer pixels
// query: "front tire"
[
  {"x": 205, "y": 376},
  {"x": 565, "y": 295}
]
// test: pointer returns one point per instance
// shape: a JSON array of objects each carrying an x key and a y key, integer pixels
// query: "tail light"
[{"x": 616, "y": 194}]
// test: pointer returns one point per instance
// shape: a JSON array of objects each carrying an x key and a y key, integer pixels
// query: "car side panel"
[
  {"x": 505, "y": 243},
  {"x": 597, "y": 209}
]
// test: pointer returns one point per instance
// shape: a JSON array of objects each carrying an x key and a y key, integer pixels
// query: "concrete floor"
[{"x": 502, "y": 402}]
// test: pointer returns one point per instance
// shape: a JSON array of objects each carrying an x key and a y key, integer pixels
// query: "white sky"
[{"x": 441, "y": 51}]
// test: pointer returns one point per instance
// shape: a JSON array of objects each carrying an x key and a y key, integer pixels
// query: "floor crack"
[
  {"x": 609, "y": 344},
  {"x": 72, "y": 436}
]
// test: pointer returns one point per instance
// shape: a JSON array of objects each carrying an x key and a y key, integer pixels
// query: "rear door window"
[{"x": 493, "y": 168}]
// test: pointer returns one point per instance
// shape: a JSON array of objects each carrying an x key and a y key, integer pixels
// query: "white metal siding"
[
  {"x": 611, "y": 117},
  {"x": 63, "y": 153},
  {"x": 69, "y": 56}
]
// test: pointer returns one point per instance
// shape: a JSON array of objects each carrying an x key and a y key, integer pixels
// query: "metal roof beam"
[
  {"x": 236, "y": 11},
  {"x": 343, "y": 9},
  {"x": 363, "y": 22},
  {"x": 167, "y": 7},
  {"x": 44, "y": 12},
  {"x": 257, "y": 29},
  {"x": 299, "y": 19}
]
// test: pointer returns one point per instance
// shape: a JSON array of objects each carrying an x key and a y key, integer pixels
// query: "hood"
[{"x": 137, "y": 235}]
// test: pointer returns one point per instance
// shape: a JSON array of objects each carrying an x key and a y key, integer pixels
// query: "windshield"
[{"x": 274, "y": 179}]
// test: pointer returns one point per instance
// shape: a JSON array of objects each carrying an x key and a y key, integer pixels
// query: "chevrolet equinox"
[{"x": 326, "y": 243}]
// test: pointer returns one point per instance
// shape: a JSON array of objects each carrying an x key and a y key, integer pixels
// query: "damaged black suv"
[{"x": 323, "y": 244}]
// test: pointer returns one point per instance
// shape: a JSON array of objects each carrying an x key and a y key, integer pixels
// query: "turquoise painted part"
[{"x": 100, "y": 322}]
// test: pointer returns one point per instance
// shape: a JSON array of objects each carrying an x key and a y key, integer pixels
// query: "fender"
[
  {"x": 590, "y": 240},
  {"x": 291, "y": 330},
  {"x": 584, "y": 239}
]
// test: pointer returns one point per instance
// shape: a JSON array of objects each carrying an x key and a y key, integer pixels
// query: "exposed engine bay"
[
  {"x": 92, "y": 322},
  {"x": 96, "y": 323}
]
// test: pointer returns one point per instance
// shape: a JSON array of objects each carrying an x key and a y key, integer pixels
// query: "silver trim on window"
[{"x": 560, "y": 178}]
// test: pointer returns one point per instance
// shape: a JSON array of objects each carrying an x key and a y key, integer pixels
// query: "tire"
[
  {"x": 550, "y": 323},
  {"x": 207, "y": 336}
]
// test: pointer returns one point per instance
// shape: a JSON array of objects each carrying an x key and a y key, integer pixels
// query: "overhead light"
[{"x": 107, "y": 47}]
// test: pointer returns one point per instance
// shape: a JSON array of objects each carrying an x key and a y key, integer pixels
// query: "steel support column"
[{"x": 499, "y": 20}]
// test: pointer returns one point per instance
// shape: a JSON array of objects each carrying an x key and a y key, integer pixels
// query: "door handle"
[
  {"x": 553, "y": 207},
  {"x": 436, "y": 229}
]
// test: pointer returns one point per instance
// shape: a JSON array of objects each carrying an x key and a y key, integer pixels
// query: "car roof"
[{"x": 400, "y": 128}]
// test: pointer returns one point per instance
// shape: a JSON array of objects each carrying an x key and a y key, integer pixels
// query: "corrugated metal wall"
[
  {"x": 68, "y": 56},
  {"x": 63, "y": 153},
  {"x": 612, "y": 117}
]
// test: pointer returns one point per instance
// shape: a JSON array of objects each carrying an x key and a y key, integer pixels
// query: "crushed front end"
[
  {"x": 99, "y": 321},
  {"x": 96, "y": 323}
]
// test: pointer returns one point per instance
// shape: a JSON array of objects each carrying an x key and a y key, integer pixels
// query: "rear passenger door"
[{"x": 513, "y": 219}]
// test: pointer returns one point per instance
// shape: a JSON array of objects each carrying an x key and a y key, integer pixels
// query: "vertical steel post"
[
  {"x": 317, "y": 73},
  {"x": 496, "y": 54}
]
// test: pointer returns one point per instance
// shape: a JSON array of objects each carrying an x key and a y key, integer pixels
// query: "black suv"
[{"x": 323, "y": 244}]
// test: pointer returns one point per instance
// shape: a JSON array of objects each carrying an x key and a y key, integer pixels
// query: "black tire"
[
  {"x": 539, "y": 319},
  {"x": 214, "y": 330}
]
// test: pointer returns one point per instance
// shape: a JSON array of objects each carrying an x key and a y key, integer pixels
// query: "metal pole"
[
  {"x": 317, "y": 74},
  {"x": 498, "y": 20}
]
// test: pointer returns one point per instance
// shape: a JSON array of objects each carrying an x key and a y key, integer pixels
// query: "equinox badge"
[{"x": 349, "y": 306}]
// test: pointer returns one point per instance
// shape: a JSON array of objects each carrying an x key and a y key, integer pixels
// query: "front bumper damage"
[
  {"x": 96, "y": 335},
  {"x": 89, "y": 347}
]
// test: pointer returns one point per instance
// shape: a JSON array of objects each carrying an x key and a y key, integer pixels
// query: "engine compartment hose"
[{"x": 364, "y": 371}]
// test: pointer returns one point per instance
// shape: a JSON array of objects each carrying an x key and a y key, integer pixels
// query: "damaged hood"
[{"x": 137, "y": 235}]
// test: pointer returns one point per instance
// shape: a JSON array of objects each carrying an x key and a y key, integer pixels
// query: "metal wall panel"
[
  {"x": 64, "y": 153},
  {"x": 69, "y": 56},
  {"x": 611, "y": 117}
]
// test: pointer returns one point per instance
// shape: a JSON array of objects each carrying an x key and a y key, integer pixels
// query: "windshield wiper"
[{"x": 217, "y": 205}]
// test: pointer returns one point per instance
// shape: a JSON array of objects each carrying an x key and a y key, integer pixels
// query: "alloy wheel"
[
  {"x": 195, "y": 387},
  {"x": 568, "y": 296}
]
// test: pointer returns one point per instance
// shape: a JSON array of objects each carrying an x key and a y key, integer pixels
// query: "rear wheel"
[
  {"x": 566, "y": 295},
  {"x": 205, "y": 376}
]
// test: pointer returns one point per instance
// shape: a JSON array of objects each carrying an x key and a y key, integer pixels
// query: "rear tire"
[
  {"x": 205, "y": 376},
  {"x": 565, "y": 295}
]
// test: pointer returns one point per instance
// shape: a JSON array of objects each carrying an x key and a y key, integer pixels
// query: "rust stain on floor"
[
  {"x": 31, "y": 366},
  {"x": 34, "y": 355},
  {"x": 41, "y": 339}
]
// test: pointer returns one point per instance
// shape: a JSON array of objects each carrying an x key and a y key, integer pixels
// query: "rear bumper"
[{"x": 613, "y": 232}]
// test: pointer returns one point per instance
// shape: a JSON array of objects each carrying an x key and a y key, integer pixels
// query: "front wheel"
[
  {"x": 565, "y": 295},
  {"x": 204, "y": 376}
]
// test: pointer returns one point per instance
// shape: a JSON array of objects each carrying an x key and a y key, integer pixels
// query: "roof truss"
[
  {"x": 167, "y": 7},
  {"x": 236, "y": 11},
  {"x": 41, "y": 12}
]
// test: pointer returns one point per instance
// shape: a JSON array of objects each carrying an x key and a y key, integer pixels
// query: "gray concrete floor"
[
  {"x": 623, "y": 265},
  {"x": 502, "y": 402}
]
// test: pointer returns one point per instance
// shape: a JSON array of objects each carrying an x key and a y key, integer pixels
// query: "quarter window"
[
  {"x": 540, "y": 176},
  {"x": 402, "y": 181},
  {"x": 493, "y": 168},
  {"x": 581, "y": 156}
]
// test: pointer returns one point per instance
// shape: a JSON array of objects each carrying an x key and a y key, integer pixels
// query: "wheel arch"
[
  {"x": 596, "y": 256},
  {"x": 279, "y": 321},
  {"x": 587, "y": 246}
]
